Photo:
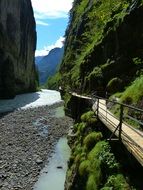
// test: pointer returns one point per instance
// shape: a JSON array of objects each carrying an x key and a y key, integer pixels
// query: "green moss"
[
  {"x": 137, "y": 61},
  {"x": 91, "y": 140},
  {"x": 78, "y": 158},
  {"x": 84, "y": 168},
  {"x": 92, "y": 162},
  {"x": 89, "y": 118},
  {"x": 102, "y": 151},
  {"x": 95, "y": 77},
  {"x": 115, "y": 85},
  {"x": 134, "y": 92},
  {"x": 95, "y": 176},
  {"x": 116, "y": 182},
  {"x": 85, "y": 32},
  {"x": 91, "y": 183},
  {"x": 79, "y": 127},
  {"x": 133, "y": 95},
  {"x": 78, "y": 149},
  {"x": 67, "y": 98}
]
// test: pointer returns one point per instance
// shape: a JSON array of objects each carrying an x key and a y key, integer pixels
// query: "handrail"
[
  {"x": 122, "y": 105},
  {"x": 94, "y": 97},
  {"x": 132, "y": 118},
  {"x": 128, "y": 135},
  {"x": 126, "y": 105}
]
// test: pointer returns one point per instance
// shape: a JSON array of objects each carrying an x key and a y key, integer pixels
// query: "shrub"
[
  {"x": 134, "y": 92},
  {"x": 91, "y": 183},
  {"x": 115, "y": 85},
  {"x": 102, "y": 151},
  {"x": 89, "y": 118},
  {"x": 91, "y": 140},
  {"x": 116, "y": 182},
  {"x": 79, "y": 127},
  {"x": 78, "y": 149},
  {"x": 84, "y": 168},
  {"x": 137, "y": 61},
  {"x": 95, "y": 177}
]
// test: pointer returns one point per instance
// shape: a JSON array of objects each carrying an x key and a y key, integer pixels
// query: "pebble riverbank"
[{"x": 27, "y": 140}]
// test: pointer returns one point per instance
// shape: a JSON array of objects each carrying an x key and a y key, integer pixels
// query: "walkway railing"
[
  {"x": 123, "y": 117},
  {"x": 118, "y": 125},
  {"x": 129, "y": 135}
]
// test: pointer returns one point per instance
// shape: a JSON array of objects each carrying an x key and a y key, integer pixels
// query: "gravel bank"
[{"x": 27, "y": 139}]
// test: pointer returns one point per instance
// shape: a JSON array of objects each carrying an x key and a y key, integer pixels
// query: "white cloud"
[
  {"x": 39, "y": 22},
  {"x": 44, "y": 9},
  {"x": 41, "y": 52},
  {"x": 46, "y": 49}
]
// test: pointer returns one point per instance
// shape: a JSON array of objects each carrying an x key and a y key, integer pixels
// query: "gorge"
[{"x": 102, "y": 58}]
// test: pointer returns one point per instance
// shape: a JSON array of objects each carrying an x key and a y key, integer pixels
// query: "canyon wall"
[{"x": 17, "y": 48}]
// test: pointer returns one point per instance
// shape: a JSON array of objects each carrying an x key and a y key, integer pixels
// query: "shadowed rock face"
[{"x": 17, "y": 47}]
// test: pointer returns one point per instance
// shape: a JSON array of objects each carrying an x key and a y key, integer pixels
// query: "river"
[{"x": 53, "y": 175}]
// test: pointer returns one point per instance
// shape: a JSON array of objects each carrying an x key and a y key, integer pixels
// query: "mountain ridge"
[{"x": 48, "y": 64}]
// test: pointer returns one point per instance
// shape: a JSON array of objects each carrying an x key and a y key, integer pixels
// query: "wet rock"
[
  {"x": 59, "y": 167},
  {"x": 39, "y": 161}
]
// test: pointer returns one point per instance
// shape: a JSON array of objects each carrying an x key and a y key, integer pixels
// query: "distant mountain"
[
  {"x": 38, "y": 59},
  {"x": 48, "y": 64}
]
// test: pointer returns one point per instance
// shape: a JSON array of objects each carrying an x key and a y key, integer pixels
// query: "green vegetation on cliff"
[
  {"x": 133, "y": 95},
  {"x": 103, "y": 47},
  {"x": 134, "y": 92},
  {"x": 92, "y": 164},
  {"x": 103, "y": 53}
]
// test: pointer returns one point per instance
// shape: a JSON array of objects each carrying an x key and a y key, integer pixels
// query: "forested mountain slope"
[
  {"x": 103, "y": 53},
  {"x": 103, "y": 47},
  {"x": 48, "y": 64}
]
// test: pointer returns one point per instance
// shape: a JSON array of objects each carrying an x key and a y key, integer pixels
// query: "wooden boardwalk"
[{"x": 130, "y": 137}]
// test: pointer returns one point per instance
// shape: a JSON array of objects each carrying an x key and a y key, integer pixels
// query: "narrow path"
[{"x": 132, "y": 138}]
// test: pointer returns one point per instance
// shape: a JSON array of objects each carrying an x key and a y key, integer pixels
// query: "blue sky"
[{"x": 51, "y": 22}]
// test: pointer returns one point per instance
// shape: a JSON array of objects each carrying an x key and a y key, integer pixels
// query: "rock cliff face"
[
  {"x": 17, "y": 47},
  {"x": 104, "y": 44}
]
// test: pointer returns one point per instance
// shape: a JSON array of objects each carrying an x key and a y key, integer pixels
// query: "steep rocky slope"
[
  {"x": 17, "y": 47},
  {"x": 103, "y": 53},
  {"x": 103, "y": 47},
  {"x": 47, "y": 65}
]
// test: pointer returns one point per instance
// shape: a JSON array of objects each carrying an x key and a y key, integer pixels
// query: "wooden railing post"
[
  {"x": 121, "y": 121},
  {"x": 97, "y": 107}
]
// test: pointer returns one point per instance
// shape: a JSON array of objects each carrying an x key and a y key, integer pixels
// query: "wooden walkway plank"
[{"x": 132, "y": 139}]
